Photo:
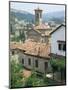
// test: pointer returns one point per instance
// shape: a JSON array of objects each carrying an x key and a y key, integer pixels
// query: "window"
[
  {"x": 45, "y": 65},
  {"x": 62, "y": 46},
  {"x": 29, "y": 61},
  {"x": 12, "y": 52},
  {"x": 22, "y": 61},
  {"x": 36, "y": 63}
]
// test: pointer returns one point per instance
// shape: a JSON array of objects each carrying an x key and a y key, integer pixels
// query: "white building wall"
[{"x": 57, "y": 35}]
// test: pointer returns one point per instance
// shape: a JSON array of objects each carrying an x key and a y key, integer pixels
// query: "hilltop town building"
[
  {"x": 40, "y": 32},
  {"x": 40, "y": 41},
  {"x": 33, "y": 55},
  {"x": 58, "y": 42}
]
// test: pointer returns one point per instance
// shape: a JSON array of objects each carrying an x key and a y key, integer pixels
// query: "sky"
[{"x": 31, "y": 6}]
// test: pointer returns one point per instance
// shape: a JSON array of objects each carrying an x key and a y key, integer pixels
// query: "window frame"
[
  {"x": 36, "y": 63},
  {"x": 61, "y": 46},
  {"x": 45, "y": 65},
  {"x": 29, "y": 61},
  {"x": 13, "y": 52},
  {"x": 22, "y": 61}
]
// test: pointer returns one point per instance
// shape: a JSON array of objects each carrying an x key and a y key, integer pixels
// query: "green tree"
[
  {"x": 58, "y": 65},
  {"x": 62, "y": 69},
  {"x": 16, "y": 74},
  {"x": 22, "y": 36},
  {"x": 54, "y": 66},
  {"x": 33, "y": 80}
]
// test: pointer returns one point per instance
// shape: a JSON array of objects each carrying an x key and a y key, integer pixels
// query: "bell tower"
[{"x": 38, "y": 16}]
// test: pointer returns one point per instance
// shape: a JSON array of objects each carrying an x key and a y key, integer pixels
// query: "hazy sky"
[{"x": 31, "y": 6}]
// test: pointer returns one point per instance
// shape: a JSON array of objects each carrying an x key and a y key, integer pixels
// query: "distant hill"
[
  {"x": 58, "y": 16},
  {"x": 22, "y": 15}
]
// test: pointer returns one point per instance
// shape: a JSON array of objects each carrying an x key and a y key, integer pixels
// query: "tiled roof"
[
  {"x": 33, "y": 48},
  {"x": 15, "y": 45},
  {"x": 38, "y": 49},
  {"x": 47, "y": 33},
  {"x": 38, "y": 9},
  {"x": 42, "y": 26}
]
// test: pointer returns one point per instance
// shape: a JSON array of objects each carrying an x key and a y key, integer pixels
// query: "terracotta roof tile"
[
  {"x": 42, "y": 26},
  {"x": 33, "y": 48}
]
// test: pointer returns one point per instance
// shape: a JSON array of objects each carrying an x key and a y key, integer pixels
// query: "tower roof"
[
  {"x": 42, "y": 27},
  {"x": 38, "y": 9}
]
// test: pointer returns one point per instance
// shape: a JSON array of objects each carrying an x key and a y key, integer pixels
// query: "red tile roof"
[
  {"x": 33, "y": 48},
  {"x": 42, "y": 26}
]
